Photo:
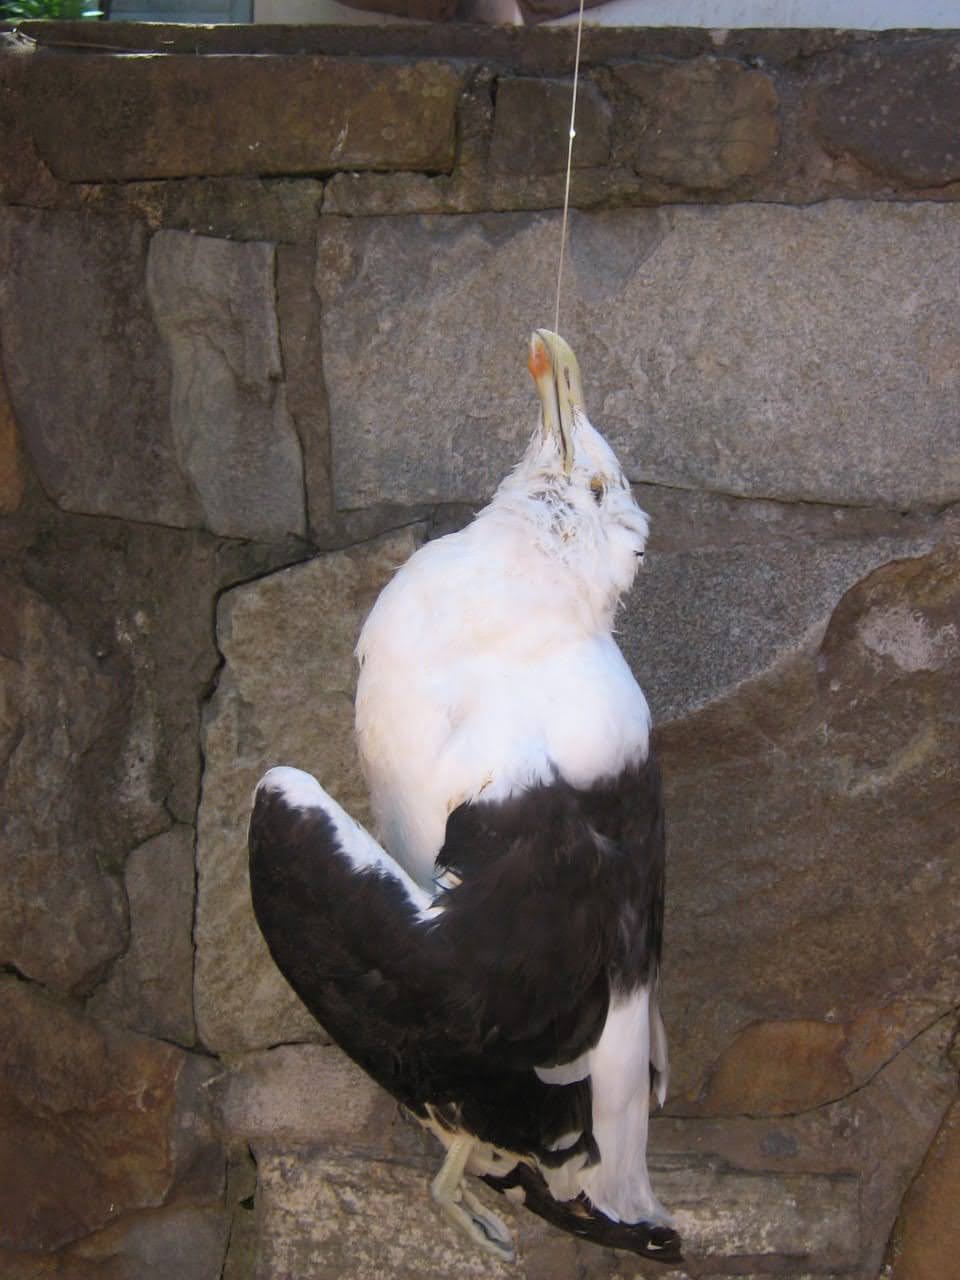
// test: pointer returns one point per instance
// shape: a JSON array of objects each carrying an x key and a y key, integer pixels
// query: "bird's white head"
[{"x": 569, "y": 485}]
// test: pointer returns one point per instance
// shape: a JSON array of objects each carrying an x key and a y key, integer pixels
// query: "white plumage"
[{"x": 507, "y": 749}]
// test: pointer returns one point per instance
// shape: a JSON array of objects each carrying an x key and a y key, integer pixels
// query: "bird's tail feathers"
[{"x": 526, "y": 1185}]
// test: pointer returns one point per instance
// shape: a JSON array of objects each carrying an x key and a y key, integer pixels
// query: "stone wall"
[{"x": 263, "y": 312}]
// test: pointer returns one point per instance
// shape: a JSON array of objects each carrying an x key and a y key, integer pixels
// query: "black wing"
[{"x": 559, "y": 903}]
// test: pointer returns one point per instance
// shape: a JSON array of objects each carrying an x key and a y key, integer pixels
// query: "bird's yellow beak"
[{"x": 554, "y": 369}]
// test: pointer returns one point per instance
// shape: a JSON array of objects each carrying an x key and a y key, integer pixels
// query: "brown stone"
[
  {"x": 532, "y": 124},
  {"x": 104, "y": 665},
  {"x": 11, "y": 466},
  {"x": 709, "y": 124},
  {"x": 182, "y": 116},
  {"x": 926, "y": 1242},
  {"x": 181, "y": 1242},
  {"x": 896, "y": 110},
  {"x": 807, "y": 806},
  {"x": 94, "y": 1124},
  {"x": 775, "y": 1068},
  {"x": 281, "y": 210},
  {"x": 150, "y": 986},
  {"x": 780, "y": 1068}
]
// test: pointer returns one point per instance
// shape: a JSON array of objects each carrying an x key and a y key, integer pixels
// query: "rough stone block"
[
  {"x": 85, "y": 364},
  {"x": 820, "y": 794},
  {"x": 703, "y": 125},
  {"x": 215, "y": 304},
  {"x": 96, "y": 1123},
  {"x": 281, "y": 210},
  {"x": 926, "y": 1243},
  {"x": 532, "y": 123},
  {"x": 755, "y": 350},
  {"x": 298, "y": 314},
  {"x": 182, "y": 116},
  {"x": 11, "y": 467},
  {"x": 325, "y": 1212},
  {"x": 150, "y": 986},
  {"x": 896, "y": 109},
  {"x": 302, "y": 1093},
  {"x": 285, "y": 696},
  {"x": 62, "y": 920},
  {"x": 704, "y": 617}
]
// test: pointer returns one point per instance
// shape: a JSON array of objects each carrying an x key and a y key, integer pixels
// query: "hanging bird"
[{"x": 494, "y": 964}]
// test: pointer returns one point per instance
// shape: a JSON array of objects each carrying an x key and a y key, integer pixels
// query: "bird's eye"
[{"x": 598, "y": 489}]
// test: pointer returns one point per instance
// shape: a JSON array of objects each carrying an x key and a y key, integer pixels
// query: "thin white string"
[{"x": 566, "y": 190}]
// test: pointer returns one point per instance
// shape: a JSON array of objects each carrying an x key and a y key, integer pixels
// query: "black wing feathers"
[{"x": 559, "y": 903}]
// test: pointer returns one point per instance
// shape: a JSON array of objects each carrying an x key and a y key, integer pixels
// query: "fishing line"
[{"x": 566, "y": 190}]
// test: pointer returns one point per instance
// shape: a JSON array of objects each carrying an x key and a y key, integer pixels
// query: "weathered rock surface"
[
  {"x": 282, "y": 210},
  {"x": 11, "y": 466},
  {"x": 284, "y": 697},
  {"x": 706, "y": 615},
  {"x": 926, "y": 1243},
  {"x": 135, "y": 118},
  {"x": 298, "y": 315},
  {"x": 897, "y": 111},
  {"x": 184, "y": 1242},
  {"x": 105, "y": 658},
  {"x": 755, "y": 350},
  {"x": 302, "y": 1093},
  {"x": 324, "y": 1211},
  {"x": 706, "y": 124},
  {"x": 824, "y": 795},
  {"x": 215, "y": 304},
  {"x": 531, "y": 126},
  {"x": 85, "y": 363},
  {"x": 61, "y": 919},
  {"x": 96, "y": 1123},
  {"x": 150, "y": 986}
]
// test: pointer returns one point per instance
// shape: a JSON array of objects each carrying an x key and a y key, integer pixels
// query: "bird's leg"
[{"x": 463, "y": 1208}]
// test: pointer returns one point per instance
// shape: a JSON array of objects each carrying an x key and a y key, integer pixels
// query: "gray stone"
[
  {"x": 62, "y": 920},
  {"x": 85, "y": 363},
  {"x": 150, "y": 986},
  {"x": 701, "y": 620},
  {"x": 896, "y": 110},
  {"x": 185, "y": 1242},
  {"x": 325, "y": 1213},
  {"x": 756, "y": 350},
  {"x": 284, "y": 697},
  {"x": 820, "y": 796},
  {"x": 729, "y": 1214},
  {"x": 301, "y": 1093},
  {"x": 181, "y": 116},
  {"x": 215, "y": 304},
  {"x": 298, "y": 315}
]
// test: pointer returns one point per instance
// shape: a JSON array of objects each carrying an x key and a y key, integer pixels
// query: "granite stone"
[
  {"x": 761, "y": 351},
  {"x": 284, "y": 696}
]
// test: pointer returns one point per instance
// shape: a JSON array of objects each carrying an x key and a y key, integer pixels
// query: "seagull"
[{"x": 493, "y": 960}]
